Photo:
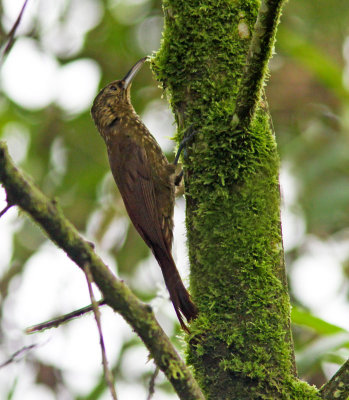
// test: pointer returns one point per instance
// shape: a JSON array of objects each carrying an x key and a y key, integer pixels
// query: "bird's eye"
[{"x": 113, "y": 88}]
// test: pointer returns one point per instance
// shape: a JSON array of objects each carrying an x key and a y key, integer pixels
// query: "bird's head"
[{"x": 114, "y": 99}]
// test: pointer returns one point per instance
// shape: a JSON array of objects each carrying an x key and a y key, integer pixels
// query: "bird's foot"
[{"x": 183, "y": 143}]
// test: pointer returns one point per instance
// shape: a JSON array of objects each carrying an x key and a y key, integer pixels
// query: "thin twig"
[
  {"x": 15, "y": 355},
  {"x": 2, "y": 212},
  {"x": 11, "y": 34},
  {"x": 152, "y": 383},
  {"x": 107, "y": 373},
  {"x": 338, "y": 386},
  {"x": 119, "y": 297},
  {"x": 259, "y": 54},
  {"x": 56, "y": 322}
]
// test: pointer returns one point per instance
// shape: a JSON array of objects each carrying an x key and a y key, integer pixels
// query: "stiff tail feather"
[{"x": 179, "y": 295}]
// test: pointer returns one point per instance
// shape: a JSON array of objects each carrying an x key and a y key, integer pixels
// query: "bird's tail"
[{"x": 179, "y": 295}]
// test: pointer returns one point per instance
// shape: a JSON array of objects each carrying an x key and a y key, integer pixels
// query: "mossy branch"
[
  {"x": 255, "y": 69},
  {"x": 338, "y": 386},
  {"x": 45, "y": 212}
]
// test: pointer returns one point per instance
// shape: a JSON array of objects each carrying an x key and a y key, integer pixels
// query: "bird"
[{"x": 145, "y": 179}]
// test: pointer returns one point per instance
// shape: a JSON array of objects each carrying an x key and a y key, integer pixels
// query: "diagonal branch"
[
  {"x": 62, "y": 319},
  {"x": 260, "y": 51},
  {"x": 15, "y": 356},
  {"x": 338, "y": 386},
  {"x": 11, "y": 34},
  {"x": 117, "y": 295},
  {"x": 4, "y": 211}
]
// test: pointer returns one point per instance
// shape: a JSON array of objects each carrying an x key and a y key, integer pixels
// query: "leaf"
[
  {"x": 315, "y": 352},
  {"x": 317, "y": 62},
  {"x": 305, "y": 318}
]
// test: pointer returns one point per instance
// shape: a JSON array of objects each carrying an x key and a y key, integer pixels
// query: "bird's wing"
[
  {"x": 140, "y": 191},
  {"x": 132, "y": 173}
]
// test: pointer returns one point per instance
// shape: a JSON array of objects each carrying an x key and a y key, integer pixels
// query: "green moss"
[
  {"x": 237, "y": 248},
  {"x": 241, "y": 345}
]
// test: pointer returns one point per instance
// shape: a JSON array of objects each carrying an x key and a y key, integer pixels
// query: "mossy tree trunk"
[{"x": 241, "y": 344}]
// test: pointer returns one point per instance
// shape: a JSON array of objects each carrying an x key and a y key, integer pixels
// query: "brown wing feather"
[{"x": 132, "y": 174}]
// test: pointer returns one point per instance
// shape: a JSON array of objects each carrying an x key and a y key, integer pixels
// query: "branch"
[
  {"x": 15, "y": 356},
  {"x": 11, "y": 34},
  {"x": 260, "y": 51},
  {"x": 117, "y": 295},
  {"x": 56, "y": 322},
  {"x": 107, "y": 373},
  {"x": 338, "y": 386},
  {"x": 2, "y": 212},
  {"x": 152, "y": 383}
]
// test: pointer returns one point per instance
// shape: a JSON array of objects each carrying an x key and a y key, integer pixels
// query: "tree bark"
[{"x": 212, "y": 64}]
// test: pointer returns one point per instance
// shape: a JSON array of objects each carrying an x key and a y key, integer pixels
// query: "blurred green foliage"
[{"x": 308, "y": 101}]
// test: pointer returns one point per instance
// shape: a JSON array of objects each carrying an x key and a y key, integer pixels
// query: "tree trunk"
[{"x": 241, "y": 344}]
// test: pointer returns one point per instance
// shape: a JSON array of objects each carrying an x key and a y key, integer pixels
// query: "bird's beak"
[{"x": 132, "y": 72}]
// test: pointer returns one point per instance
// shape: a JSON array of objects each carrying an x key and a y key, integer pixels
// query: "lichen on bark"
[{"x": 241, "y": 345}]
